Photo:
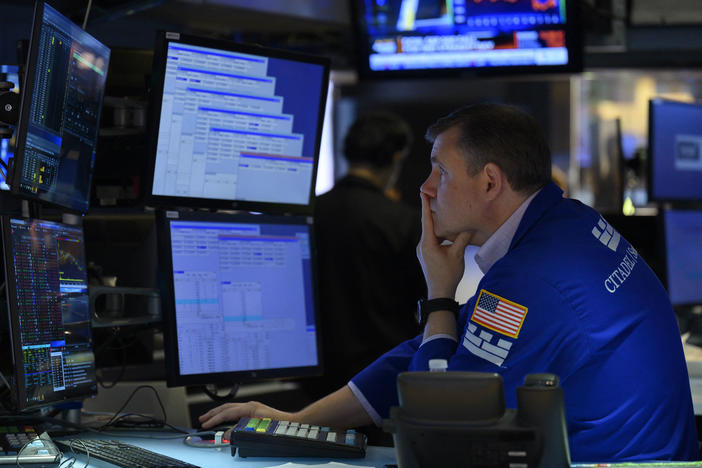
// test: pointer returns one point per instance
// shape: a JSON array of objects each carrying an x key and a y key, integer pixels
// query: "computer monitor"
[
  {"x": 46, "y": 285},
  {"x": 682, "y": 233},
  {"x": 674, "y": 151},
  {"x": 234, "y": 125},
  {"x": 426, "y": 38},
  {"x": 239, "y": 301},
  {"x": 59, "y": 113}
]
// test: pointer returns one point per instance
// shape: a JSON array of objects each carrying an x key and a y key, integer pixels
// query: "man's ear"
[{"x": 494, "y": 180}]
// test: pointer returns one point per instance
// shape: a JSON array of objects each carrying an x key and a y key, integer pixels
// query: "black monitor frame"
[
  {"x": 163, "y": 40},
  {"x": 27, "y": 90},
  {"x": 650, "y": 170},
  {"x": 173, "y": 374},
  {"x": 574, "y": 44},
  {"x": 19, "y": 393}
]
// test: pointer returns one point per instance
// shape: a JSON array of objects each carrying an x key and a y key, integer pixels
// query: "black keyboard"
[
  {"x": 120, "y": 454},
  {"x": 265, "y": 437}
]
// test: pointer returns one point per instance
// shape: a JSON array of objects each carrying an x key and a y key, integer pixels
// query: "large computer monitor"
[
  {"x": 466, "y": 37},
  {"x": 682, "y": 232},
  {"x": 60, "y": 112},
  {"x": 46, "y": 285},
  {"x": 674, "y": 151},
  {"x": 239, "y": 301},
  {"x": 235, "y": 126}
]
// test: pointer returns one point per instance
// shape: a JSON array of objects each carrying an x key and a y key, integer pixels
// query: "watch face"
[{"x": 418, "y": 313}]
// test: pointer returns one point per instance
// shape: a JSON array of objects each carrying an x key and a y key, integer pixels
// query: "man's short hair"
[
  {"x": 503, "y": 135},
  {"x": 374, "y": 139}
]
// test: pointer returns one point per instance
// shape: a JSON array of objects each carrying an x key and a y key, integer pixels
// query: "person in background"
[{"x": 369, "y": 277}]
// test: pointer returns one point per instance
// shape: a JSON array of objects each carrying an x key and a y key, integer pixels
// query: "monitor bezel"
[
  {"x": 574, "y": 45},
  {"x": 172, "y": 361},
  {"x": 663, "y": 235},
  {"x": 163, "y": 39},
  {"x": 19, "y": 394},
  {"x": 14, "y": 174}
]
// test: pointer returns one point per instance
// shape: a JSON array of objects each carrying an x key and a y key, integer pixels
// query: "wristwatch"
[{"x": 427, "y": 306}]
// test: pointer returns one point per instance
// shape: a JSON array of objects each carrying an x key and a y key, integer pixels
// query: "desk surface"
[{"x": 221, "y": 457}]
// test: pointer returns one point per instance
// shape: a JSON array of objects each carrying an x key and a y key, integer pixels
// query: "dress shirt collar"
[{"x": 498, "y": 243}]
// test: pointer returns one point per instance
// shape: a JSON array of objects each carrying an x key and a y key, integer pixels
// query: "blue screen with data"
[
  {"x": 683, "y": 248},
  {"x": 243, "y": 296},
  {"x": 237, "y": 127}
]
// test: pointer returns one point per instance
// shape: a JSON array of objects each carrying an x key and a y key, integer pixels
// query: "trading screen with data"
[
  {"x": 242, "y": 297},
  {"x": 237, "y": 126},
  {"x": 60, "y": 112},
  {"x": 47, "y": 290}
]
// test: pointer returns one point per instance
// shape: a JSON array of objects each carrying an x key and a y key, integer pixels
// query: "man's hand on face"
[{"x": 443, "y": 265}]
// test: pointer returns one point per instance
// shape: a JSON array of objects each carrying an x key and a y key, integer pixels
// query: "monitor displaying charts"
[
  {"x": 235, "y": 126},
  {"x": 46, "y": 283}
]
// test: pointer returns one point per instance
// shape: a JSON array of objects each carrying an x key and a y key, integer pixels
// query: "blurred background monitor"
[
  {"x": 682, "y": 231},
  {"x": 46, "y": 286},
  {"x": 235, "y": 126},
  {"x": 674, "y": 151},
  {"x": 461, "y": 37},
  {"x": 60, "y": 112},
  {"x": 239, "y": 302}
]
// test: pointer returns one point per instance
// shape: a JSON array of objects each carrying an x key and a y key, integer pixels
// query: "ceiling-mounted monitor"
[
  {"x": 234, "y": 125},
  {"x": 425, "y": 38}
]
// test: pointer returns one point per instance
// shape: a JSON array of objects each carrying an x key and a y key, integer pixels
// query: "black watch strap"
[{"x": 427, "y": 306}]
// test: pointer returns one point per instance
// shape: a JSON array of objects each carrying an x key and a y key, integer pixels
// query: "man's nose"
[{"x": 429, "y": 186}]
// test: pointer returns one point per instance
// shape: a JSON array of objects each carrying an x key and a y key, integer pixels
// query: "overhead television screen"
[
  {"x": 454, "y": 37},
  {"x": 235, "y": 125}
]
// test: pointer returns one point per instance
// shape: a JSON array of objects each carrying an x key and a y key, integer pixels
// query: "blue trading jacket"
[{"x": 574, "y": 298}]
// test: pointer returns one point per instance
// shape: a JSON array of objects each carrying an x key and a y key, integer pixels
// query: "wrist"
[{"x": 426, "y": 308}]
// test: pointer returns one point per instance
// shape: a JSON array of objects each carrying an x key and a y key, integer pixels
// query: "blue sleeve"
[
  {"x": 377, "y": 383},
  {"x": 440, "y": 348}
]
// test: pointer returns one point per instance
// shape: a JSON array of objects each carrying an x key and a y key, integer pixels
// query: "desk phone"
[{"x": 265, "y": 437}]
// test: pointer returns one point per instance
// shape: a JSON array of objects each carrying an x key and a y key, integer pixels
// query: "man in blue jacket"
[{"x": 563, "y": 293}]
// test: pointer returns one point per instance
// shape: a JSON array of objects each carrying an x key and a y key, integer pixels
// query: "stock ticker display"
[
  {"x": 430, "y": 34},
  {"x": 52, "y": 308}
]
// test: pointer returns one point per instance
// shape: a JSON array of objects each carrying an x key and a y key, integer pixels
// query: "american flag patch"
[{"x": 499, "y": 314}]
